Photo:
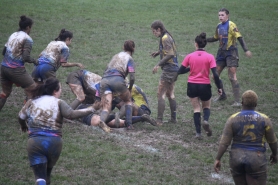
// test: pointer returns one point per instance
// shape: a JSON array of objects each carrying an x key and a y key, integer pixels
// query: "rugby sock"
[
  {"x": 206, "y": 112},
  {"x": 103, "y": 116},
  {"x": 235, "y": 86},
  {"x": 173, "y": 107},
  {"x": 160, "y": 109},
  {"x": 222, "y": 87},
  {"x": 110, "y": 118},
  {"x": 128, "y": 115},
  {"x": 197, "y": 121},
  {"x": 122, "y": 111},
  {"x": 136, "y": 119},
  {"x": 75, "y": 104}
]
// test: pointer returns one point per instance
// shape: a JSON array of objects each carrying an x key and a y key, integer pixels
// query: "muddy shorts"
[
  {"x": 253, "y": 163},
  {"x": 43, "y": 71},
  {"x": 18, "y": 76},
  {"x": 168, "y": 76},
  {"x": 44, "y": 149},
  {"x": 75, "y": 78},
  {"x": 203, "y": 91},
  {"x": 227, "y": 58},
  {"x": 87, "y": 119},
  {"x": 113, "y": 84}
]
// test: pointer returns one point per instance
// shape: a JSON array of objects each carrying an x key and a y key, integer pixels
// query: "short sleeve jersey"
[
  {"x": 167, "y": 46},
  {"x": 249, "y": 130},
  {"x": 55, "y": 53},
  {"x": 200, "y": 63},
  {"x": 15, "y": 45},
  {"x": 43, "y": 116},
  {"x": 139, "y": 96},
  {"x": 120, "y": 65},
  {"x": 227, "y": 33}
]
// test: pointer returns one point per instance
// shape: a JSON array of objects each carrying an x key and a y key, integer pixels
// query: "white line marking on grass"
[
  {"x": 147, "y": 148},
  {"x": 222, "y": 178}
]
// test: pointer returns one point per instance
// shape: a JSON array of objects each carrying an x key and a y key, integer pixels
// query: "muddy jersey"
[
  {"x": 249, "y": 130},
  {"x": 227, "y": 33},
  {"x": 89, "y": 81},
  {"x": 120, "y": 65},
  {"x": 55, "y": 53},
  {"x": 167, "y": 46},
  {"x": 44, "y": 115},
  {"x": 14, "y": 49},
  {"x": 139, "y": 96}
]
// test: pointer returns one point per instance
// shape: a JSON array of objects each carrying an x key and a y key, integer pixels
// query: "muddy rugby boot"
[
  {"x": 104, "y": 126},
  {"x": 148, "y": 119},
  {"x": 198, "y": 136},
  {"x": 130, "y": 128},
  {"x": 220, "y": 98},
  {"x": 236, "y": 104},
  {"x": 206, "y": 128}
]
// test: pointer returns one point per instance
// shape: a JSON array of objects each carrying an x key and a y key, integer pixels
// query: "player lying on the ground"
[
  {"x": 113, "y": 120},
  {"x": 140, "y": 103}
]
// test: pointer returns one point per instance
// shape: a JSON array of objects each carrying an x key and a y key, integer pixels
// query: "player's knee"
[{"x": 80, "y": 98}]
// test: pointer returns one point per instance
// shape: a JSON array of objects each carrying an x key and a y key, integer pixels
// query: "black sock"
[
  {"x": 197, "y": 121},
  {"x": 206, "y": 112}
]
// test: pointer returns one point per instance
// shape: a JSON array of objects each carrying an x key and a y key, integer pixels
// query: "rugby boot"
[
  {"x": 220, "y": 98},
  {"x": 207, "y": 128},
  {"x": 130, "y": 128},
  {"x": 104, "y": 126},
  {"x": 148, "y": 119},
  {"x": 236, "y": 104},
  {"x": 198, "y": 136}
]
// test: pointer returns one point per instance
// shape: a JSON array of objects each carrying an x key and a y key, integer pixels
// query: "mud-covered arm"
[
  {"x": 26, "y": 55},
  {"x": 131, "y": 80},
  {"x": 67, "y": 112},
  {"x": 271, "y": 139},
  {"x": 164, "y": 60},
  {"x": 225, "y": 140},
  {"x": 243, "y": 44}
]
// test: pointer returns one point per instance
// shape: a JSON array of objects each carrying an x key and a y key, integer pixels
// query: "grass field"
[{"x": 149, "y": 155}]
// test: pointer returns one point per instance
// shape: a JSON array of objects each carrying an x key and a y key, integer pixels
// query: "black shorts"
[{"x": 203, "y": 91}]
